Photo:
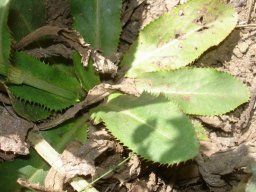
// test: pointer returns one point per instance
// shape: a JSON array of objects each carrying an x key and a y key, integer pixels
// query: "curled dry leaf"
[
  {"x": 55, "y": 50},
  {"x": 73, "y": 164},
  {"x": 222, "y": 163},
  {"x": 76, "y": 41},
  {"x": 102, "y": 64},
  {"x": 13, "y": 131},
  {"x": 79, "y": 159},
  {"x": 35, "y": 186},
  {"x": 73, "y": 38}
]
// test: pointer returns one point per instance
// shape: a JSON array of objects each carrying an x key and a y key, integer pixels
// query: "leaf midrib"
[
  {"x": 134, "y": 116},
  {"x": 169, "y": 92},
  {"x": 146, "y": 55}
]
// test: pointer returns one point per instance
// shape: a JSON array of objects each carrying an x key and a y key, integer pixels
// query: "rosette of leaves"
[
  {"x": 36, "y": 89},
  {"x": 154, "y": 124}
]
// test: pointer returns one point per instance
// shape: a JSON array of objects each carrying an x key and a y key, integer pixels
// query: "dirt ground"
[{"x": 221, "y": 165}]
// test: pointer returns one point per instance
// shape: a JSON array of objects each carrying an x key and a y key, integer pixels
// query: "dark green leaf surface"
[
  {"x": 48, "y": 86},
  {"x": 30, "y": 71},
  {"x": 179, "y": 37},
  {"x": 30, "y": 111},
  {"x": 152, "y": 127},
  {"x": 87, "y": 76},
  {"x": 5, "y": 40},
  {"x": 98, "y": 21},
  {"x": 33, "y": 167},
  {"x": 26, "y": 16},
  {"x": 199, "y": 91}
]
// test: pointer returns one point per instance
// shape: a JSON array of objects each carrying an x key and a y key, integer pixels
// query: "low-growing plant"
[{"x": 151, "y": 94}]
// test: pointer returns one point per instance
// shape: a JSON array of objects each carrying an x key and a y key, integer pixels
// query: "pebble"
[
  {"x": 243, "y": 47},
  {"x": 237, "y": 52}
]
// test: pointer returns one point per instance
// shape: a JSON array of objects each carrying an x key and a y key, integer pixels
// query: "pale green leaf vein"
[
  {"x": 174, "y": 92},
  {"x": 140, "y": 120},
  {"x": 155, "y": 52}
]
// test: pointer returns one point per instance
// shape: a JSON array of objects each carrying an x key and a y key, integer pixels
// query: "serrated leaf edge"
[
  {"x": 188, "y": 68},
  {"x": 98, "y": 120}
]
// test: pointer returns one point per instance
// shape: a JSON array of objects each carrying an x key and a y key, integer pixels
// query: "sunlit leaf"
[
  {"x": 152, "y": 127},
  {"x": 179, "y": 37},
  {"x": 200, "y": 91}
]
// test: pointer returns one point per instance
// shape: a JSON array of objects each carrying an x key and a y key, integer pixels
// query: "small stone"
[
  {"x": 243, "y": 47},
  {"x": 237, "y": 52}
]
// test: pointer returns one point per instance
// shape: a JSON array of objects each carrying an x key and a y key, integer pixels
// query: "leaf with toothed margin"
[
  {"x": 48, "y": 100},
  {"x": 154, "y": 128},
  {"x": 5, "y": 37},
  {"x": 30, "y": 111},
  {"x": 98, "y": 21},
  {"x": 30, "y": 71},
  {"x": 56, "y": 80},
  {"x": 53, "y": 88},
  {"x": 179, "y": 37},
  {"x": 199, "y": 91}
]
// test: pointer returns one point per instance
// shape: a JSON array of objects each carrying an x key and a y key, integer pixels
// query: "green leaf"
[
  {"x": 98, "y": 21},
  {"x": 37, "y": 96},
  {"x": 179, "y": 37},
  {"x": 151, "y": 127},
  {"x": 36, "y": 82},
  {"x": 200, "y": 131},
  {"x": 26, "y": 16},
  {"x": 87, "y": 76},
  {"x": 30, "y": 111},
  {"x": 199, "y": 91},
  {"x": 30, "y": 71},
  {"x": 5, "y": 40},
  {"x": 33, "y": 167}
]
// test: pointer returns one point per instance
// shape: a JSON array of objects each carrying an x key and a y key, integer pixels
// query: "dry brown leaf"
[
  {"x": 55, "y": 50},
  {"x": 73, "y": 164},
  {"x": 76, "y": 41},
  {"x": 73, "y": 38},
  {"x": 13, "y": 131},
  {"x": 102, "y": 64}
]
